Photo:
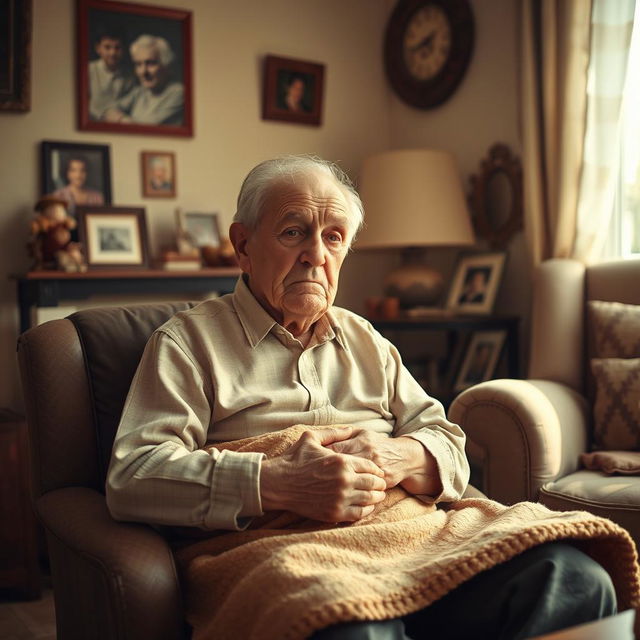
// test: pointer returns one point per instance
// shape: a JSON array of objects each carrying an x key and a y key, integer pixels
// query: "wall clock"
[{"x": 427, "y": 49}]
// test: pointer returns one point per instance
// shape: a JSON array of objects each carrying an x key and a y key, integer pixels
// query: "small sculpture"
[{"x": 51, "y": 245}]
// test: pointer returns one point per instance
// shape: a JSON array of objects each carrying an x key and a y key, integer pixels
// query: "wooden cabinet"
[{"x": 19, "y": 570}]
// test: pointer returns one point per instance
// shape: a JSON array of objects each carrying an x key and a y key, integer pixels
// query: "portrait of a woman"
[{"x": 76, "y": 192}]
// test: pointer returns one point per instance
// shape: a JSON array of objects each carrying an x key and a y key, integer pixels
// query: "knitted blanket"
[{"x": 287, "y": 577}]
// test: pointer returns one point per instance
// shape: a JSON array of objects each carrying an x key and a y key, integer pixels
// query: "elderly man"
[
  {"x": 277, "y": 353},
  {"x": 157, "y": 99}
]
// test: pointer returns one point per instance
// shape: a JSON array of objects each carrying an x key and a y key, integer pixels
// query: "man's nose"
[{"x": 314, "y": 251}]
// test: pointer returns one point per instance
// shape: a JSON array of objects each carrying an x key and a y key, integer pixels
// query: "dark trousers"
[{"x": 547, "y": 588}]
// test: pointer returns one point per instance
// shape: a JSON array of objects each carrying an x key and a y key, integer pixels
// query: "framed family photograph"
[
  {"x": 292, "y": 90},
  {"x": 134, "y": 68},
  {"x": 158, "y": 174},
  {"x": 198, "y": 229},
  {"x": 481, "y": 358},
  {"x": 113, "y": 237},
  {"x": 475, "y": 283},
  {"x": 15, "y": 55},
  {"x": 80, "y": 174}
]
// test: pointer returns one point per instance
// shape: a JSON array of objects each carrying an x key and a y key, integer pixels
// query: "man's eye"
[
  {"x": 292, "y": 233},
  {"x": 334, "y": 237}
]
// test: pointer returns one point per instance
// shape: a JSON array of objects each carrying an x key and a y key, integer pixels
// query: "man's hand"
[
  {"x": 313, "y": 481},
  {"x": 404, "y": 460}
]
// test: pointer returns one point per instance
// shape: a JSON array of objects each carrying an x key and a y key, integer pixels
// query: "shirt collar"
[{"x": 257, "y": 323}]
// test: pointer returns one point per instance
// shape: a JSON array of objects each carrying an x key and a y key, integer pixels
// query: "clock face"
[{"x": 427, "y": 42}]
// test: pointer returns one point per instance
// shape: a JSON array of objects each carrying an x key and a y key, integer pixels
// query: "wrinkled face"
[
  {"x": 294, "y": 256},
  {"x": 77, "y": 173},
  {"x": 110, "y": 50},
  {"x": 151, "y": 73}
]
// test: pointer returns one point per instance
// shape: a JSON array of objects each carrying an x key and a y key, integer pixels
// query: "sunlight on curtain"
[{"x": 612, "y": 24}]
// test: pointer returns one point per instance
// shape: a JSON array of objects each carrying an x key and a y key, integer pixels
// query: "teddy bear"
[{"x": 51, "y": 245}]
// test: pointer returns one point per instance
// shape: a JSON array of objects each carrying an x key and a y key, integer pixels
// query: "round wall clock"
[{"x": 427, "y": 49}]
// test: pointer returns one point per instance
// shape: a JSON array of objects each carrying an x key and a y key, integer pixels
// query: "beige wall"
[{"x": 360, "y": 116}]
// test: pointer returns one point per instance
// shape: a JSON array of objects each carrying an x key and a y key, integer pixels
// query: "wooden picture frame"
[
  {"x": 198, "y": 229},
  {"x": 63, "y": 165},
  {"x": 475, "y": 283},
  {"x": 292, "y": 90},
  {"x": 15, "y": 55},
  {"x": 114, "y": 237},
  {"x": 158, "y": 174},
  {"x": 481, "y": 358},
  {"x": 132, "y": 103}
]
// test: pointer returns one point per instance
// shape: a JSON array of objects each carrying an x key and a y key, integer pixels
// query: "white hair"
[
  {"x": 154, "y": 42},
  {"x": 265, "y": 175}
]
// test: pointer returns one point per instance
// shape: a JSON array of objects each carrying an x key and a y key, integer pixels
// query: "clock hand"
[{"x": 427, "y": 41}]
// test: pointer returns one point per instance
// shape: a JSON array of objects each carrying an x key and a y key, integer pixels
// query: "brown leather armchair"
[
  {"x": 525, "y": 437},
  {"x": 111, "y": 579}
]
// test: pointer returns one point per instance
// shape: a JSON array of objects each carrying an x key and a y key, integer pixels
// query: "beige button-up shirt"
[{"x": 226, "y": 370}]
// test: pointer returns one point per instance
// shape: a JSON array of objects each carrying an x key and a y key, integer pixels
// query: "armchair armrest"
[
  {"x": 111, "y": 579},
  {"x": 522, "y": 433}
]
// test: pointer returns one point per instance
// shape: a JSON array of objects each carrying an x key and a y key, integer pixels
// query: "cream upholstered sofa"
[{"x": 526, "y": 437}]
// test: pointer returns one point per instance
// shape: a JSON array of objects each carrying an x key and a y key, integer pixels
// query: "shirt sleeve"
[
  {"x": 422, "y": 417},
  {"x": 160, "y": 472}
]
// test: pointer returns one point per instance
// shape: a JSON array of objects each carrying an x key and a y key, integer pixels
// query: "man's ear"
[{"x": 239, "y": 236}]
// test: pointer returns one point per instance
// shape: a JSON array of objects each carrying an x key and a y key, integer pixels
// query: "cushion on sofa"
[
  {"x": 623, "y": 462},
  {"x": 616, "y": 329},
  {"x": 617, "y": 406}
]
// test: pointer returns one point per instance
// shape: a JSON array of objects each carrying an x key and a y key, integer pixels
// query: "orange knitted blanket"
[{"x": 287, "y": 577}]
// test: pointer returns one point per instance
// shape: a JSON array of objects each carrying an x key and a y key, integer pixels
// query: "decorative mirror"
[{"x": 496, "y": 197}]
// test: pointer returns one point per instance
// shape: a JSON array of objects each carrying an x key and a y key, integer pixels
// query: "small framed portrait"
[
  {"x": 481, "y": 358},
  {"x": 15, "y": 55},
  {"x": 158, "y": 174},
  {"x": 80, "y": 174},
  {"x": 198, "y": 229},
  {"x": 134, "y": 71},
  {"x": 292, "y": 90},
  {"x": 113, "y": 237},
  {"x": 475, "y": 283}
]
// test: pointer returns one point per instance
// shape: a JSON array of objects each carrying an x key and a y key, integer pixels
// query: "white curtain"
[{"x": 611, "y": 29}]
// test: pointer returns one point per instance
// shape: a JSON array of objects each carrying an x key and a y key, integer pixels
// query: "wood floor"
[{"x": 28, "y": 620}]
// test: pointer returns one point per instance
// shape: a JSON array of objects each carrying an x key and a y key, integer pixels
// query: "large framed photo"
[
  {"x": 475, "y": 283},
  {"x": 158, "y": 174},
  {"x": 80, "y": 174},
  {"x": 292, "y": 90},
  {"x": 113, "y": 237},
  {"x": 199, "y": 229},
  {"x": 134, "y": 70},
  {"x": 481, "y": 359},
  {"x": 15, "y": 55}
]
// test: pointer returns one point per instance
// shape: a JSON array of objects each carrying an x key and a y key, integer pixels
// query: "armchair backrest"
[
  {"x": 76, "y": 373},
  {"x": 561, "y": 336}
]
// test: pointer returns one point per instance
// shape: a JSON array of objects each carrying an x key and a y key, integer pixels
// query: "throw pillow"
[
  {"x": 623, "y": 462},
  {"x": 617, "y": 406},
  {"x": 616, "y": 329}
]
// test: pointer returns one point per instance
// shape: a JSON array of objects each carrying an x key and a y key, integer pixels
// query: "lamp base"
[{"x": 415, "y": 285}]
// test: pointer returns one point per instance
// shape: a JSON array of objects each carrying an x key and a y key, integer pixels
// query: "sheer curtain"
[{"x": 612, "y": 26}]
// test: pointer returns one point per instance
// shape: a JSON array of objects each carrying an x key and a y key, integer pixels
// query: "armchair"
[
  {"x": 526, "y": 436},
  {"x": 111, "y": 579}
]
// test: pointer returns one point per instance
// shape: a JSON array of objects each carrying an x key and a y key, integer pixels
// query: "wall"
[{"x": 361, "y": 116}]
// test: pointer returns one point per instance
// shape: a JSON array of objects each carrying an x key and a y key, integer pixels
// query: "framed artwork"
[
  {"x": 113, "y": 237},
  {"x": 475, "y": 283},
  {"x": 134, "y": 70},
  {"x": 292, "y": 90},
  {"x": 77, "y": 173},
  {"x": 481, "y": 358},
  {"x": 158, "y": 174},
  {"x": 199, "y": 229},
  {"x": 15, "y": 55}
]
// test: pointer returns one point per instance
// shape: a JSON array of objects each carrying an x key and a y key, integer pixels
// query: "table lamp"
[{"x": 413, "y": 198}]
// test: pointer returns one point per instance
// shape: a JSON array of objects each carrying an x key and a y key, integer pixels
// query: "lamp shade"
[{"x": 413, "y": 198}]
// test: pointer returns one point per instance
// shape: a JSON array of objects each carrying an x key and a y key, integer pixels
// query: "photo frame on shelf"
[
  {"x": 480, "y": 359},
  {"x": 198, "y": 229},
  {"x": 292, "y": 90},
  {"x": 113, "y": 237},
  {"x": 15, "y": 61},
  {"x": 475, "y": 283},
  {"x": 78, "y": 173},
  {"x": 158, "y": 174},
  {"x": 112, "y": 92}
]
